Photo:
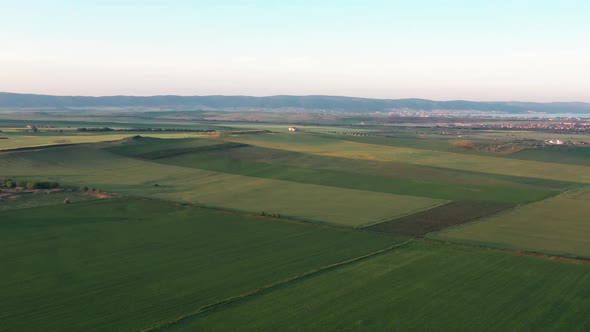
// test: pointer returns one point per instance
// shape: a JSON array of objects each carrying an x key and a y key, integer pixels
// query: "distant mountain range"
[{"x": 307, "y": 103}]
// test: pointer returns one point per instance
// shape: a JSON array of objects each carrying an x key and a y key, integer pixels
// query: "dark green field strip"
[
  {"x": 420, "y": 287},
  {"x": 125, "y": 264},
  {"x": 568, "y": 154},
  {"x": 159, "y": 154},
  {"x": 150, "y": 147},
  {"x": 363, "y": 175},
  {"x": 439, "y": 218}
]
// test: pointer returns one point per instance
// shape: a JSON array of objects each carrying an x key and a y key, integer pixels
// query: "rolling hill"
[{"x": 301, "y": 103}]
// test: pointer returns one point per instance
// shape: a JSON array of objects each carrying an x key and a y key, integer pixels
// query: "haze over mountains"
[{"x": 307, "y": 103}]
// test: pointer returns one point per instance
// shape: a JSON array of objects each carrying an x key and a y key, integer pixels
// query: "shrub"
[{"x": 7, "y": 183}]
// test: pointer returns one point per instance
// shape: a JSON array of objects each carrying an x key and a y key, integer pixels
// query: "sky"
[{"x": 456, "y": 49}]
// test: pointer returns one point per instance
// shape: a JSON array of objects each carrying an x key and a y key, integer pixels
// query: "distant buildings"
[
  {"x": 556, "y": 142},
  {"x": 33, "y": 126}
]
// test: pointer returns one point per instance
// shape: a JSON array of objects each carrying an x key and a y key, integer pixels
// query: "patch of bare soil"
[{"x": 440, "y": 217}]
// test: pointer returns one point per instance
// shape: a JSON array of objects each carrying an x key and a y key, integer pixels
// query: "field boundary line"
[
  {"x": 548, "y": 255},
  {"x": 403, "y": 215},
  {"x": 269, "y": 287}
]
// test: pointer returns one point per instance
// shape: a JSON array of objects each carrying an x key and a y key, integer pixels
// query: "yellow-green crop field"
[
  {"x": 15, "y": 141},
  {"x": 556, "y": 225}
]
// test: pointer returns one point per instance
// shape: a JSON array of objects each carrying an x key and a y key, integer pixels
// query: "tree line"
[{"x": 24, "y": 184}]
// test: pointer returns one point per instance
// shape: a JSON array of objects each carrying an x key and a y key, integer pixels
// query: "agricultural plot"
[
  {"x": 156, "y": 148},
  {"x": 406, "y": 140},
  {"x": 74, "y": 120},
  {"x": 314, "y": 144},
  {"x": 420, "y": 287},
  {"x": 555, "y": 225},
  {"x": 126, "y": 264},
  {"x": 556, "y": 154},
  {"x": 11, "y": 201},
  {"x": 386, "y": 177},
  {"x": 94, "y": 167},
  {"x": 439, "y": 218},
  {"x": 23, "y": 140}
]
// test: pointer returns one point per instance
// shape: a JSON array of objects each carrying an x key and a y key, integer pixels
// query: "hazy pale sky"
[{"x": 533, "y": 50}]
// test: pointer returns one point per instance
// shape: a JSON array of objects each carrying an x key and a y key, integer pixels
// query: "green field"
[
  {"x": 129, "y": 264},
  {"x": 98, "y": 168},
  {"x": 10, "y": 201},
  {"x": 23, "y": 140},
  {"x": 314, "y": 144},
  {"x": 557, "y": 154},
  {"x": 557, "y": 225},
  {"x": 153, "y": 147},
  {"x": 387, "y": 177},
  {"x": 312, "y": 230},
  {"x": 420, "y": 287}
]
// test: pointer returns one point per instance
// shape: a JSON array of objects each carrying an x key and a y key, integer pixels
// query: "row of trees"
[
  {"x": 102, "y": 129},
  {"x": 7, "y": 183},
  {"x": 13, "y": 184},
  {"x": 95, "y": 129}
]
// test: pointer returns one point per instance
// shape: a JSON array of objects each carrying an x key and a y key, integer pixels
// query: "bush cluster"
[{"x": 96, "y": 129}]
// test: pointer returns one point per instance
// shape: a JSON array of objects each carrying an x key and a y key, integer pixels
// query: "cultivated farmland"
[
  {"x": 126, "y": 264},
  {"x": 438, "y": 218},
  {"x": 311, "y": 230},
  {"x": 556, "y": 225},
  {"x": 16, "y": 141},
  {"x": 107, "y": 171},
  {"x": 420, "y": 287},
  {"x": 387, "y": 177},
  {"x": 459, "y": 161}
]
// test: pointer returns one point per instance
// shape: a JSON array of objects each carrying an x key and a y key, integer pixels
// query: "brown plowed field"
[{"x": 438, "y": 218}]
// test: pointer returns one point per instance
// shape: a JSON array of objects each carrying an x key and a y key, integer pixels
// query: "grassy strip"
[
  {"x": 550, "y": 255},
  {"x": 258, "y": 291},
  {"x": 30, "y": 200}
]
